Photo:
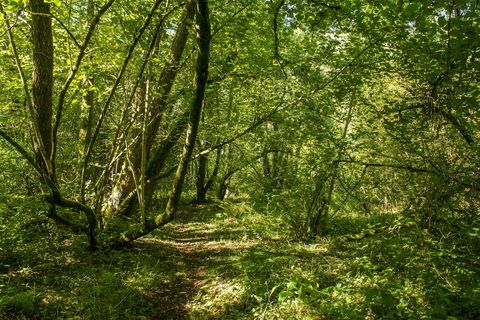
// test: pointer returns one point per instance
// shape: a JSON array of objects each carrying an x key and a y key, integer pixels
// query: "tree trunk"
[
  {"x": 42, "y": 95},
  {"x": 201, "y": 77},
  {"x": 214, "y": 174},
  {"x": 42, "y": 83},
  {"x": 156, "y": 109},
  {"x": 202, "y": 184},
  {"x": 201, "y": 178},
  {"x": 319, "y": 219},
  {"x": 223, "y": 186}
]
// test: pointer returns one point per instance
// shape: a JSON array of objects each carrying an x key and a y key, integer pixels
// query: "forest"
[{"x": 239, "y": 159}]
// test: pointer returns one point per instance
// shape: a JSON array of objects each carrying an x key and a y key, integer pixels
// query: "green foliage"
[
  {"x": 230, "y": 262},
  {"x": 22, "y": 305},
  {"x": 349, "y": 162}
]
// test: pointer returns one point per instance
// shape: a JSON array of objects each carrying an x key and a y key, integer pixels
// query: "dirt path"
[{"x": 201, "y": 254}]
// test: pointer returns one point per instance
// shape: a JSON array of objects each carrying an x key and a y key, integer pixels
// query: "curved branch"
[
  {"x": 20, "y": 150},
  {"x": 52, "y": 214},
  {"x": 56, "y": 199},
  {"x": 67, "y": 30}
]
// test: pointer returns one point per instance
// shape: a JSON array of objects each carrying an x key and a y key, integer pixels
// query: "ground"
[{"x": 228, "y": 261}]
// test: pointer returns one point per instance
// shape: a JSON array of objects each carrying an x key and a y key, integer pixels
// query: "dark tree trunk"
[
  {"x": 42, "y": 83},
  {"x": 201, "y": 178},
  {"x": 222, "y": 189},
  {"x": 214, "y": 174},
  {"x": 224, "y": 184},
  {"x": 201, "y": 77}
]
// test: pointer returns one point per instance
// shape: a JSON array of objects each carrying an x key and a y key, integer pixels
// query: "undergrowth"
[{"x": 230, "y": 261}]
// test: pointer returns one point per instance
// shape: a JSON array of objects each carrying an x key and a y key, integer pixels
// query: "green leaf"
[{"x": 283, "y": 295}]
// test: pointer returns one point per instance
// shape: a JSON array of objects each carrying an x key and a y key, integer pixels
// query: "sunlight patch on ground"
[
  {"x": 215, "y": 298},
  {"x": 206, "y": 246}
]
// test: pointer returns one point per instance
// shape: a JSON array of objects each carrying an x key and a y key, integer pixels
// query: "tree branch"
[
  {"x": 56, "y": 199},
  {"x": 52, "y": 214},
  {"x": 326, "y": 5},
  {"x": 67, "y": 30},
  {"x": 73, "y": 73},
  {"x": 386, "y": 165},
  {"x": 112, "y": 92},
  {"x": 9, "y": 27},
  {"x": 20, "y": 150},
  {"x": 279, "y": 108}
]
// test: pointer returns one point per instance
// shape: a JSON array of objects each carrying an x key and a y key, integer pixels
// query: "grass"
[{"x": 229, "y": 261}]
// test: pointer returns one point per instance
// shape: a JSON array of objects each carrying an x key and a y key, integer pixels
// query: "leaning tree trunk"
[
  {"x": 201, "y": 77},
  {"x": 156, "y": 109}
]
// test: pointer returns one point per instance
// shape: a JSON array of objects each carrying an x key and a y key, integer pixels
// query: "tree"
[
  {"x": 45, "y": 129},
  {"x": 267, "y": 115}
]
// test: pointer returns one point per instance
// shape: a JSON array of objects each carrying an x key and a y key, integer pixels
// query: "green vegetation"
[
  {"x": 228, "y": 262},
  {"x": 247, "y": 159}
]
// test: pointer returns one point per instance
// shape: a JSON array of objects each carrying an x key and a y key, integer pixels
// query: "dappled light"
[
  {"x": 201, "y": 267},
  {"x": 239, "y": 159}
]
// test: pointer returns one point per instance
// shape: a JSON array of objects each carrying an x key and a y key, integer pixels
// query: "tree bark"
[
  {"x": 214, "y": 174},
  {"x": 201, "y": 178},
  {"x": 169, "y": 73},
  {"x": 42, "y": 96},
  {"x": 42, "y": 83},
  {"x": 202, "y": 183},
  {"x": 157, "y": 108},
  {"x": 201, "y": 77}
]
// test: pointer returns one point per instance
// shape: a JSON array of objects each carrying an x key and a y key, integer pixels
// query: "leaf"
[
  {"x": 292, "y": 285},
  {"x": 388, "y": 300},
  {"x": 283, "y": 295}
]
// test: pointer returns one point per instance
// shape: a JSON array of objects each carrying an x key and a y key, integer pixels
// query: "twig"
[
  {"x": 66, "y": 86},
  {"x": 20, "y": 150},
  {"x": 67, "y": 30},
  {"x": 9, "y": 28}
]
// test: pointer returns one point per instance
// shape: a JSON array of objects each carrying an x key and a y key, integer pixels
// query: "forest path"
[{"x": 202, "y": 249}]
